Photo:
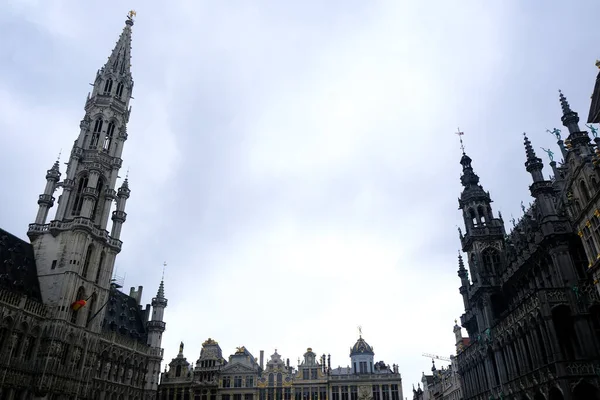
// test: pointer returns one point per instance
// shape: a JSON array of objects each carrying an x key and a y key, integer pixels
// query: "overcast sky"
[{"x": 295, "y": 162}]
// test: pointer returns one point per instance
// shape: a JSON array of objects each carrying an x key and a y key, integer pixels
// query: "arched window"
[
  {"x": 96, "y": 133},
  {"x": 472, "y": 216},
  {"x": 120, "y": 87},
  {"x": 100, "y": 265},
  {"x": 279, "y": 379},
  {"x": 98, "y": 203},
  {"x": 271, "y": 379},
  {"x": 86, "y": 262},
  {"x": 491, "y": 261},
  {"x": 482, "y": 215},
  {"x": 108, "y": 86},
  {"x": 80, "y": 296},
  {"x": 109, "y": 136},
  {"x": 78, "y": 200},
  {"x": 584, "y": 191}
]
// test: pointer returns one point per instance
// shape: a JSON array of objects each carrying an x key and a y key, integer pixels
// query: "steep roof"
[
  {"x": 18, "y": 272},
  {"x": 594, "y": 116},
  {"x": 123, "y": 315}
]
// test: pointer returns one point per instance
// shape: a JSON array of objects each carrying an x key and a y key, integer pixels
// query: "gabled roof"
[
  {"x": 123, "y": 315},
  {"x": 18, "y": 272},
  {"x": 594, "y": 116}
]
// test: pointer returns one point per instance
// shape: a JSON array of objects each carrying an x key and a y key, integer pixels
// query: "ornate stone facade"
[
  {"x": 243, "y": 378},
  {"x": 531, "y": 310},
  {"x": 66, "y": 331}
]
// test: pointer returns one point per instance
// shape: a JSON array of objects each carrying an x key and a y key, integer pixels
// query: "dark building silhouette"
[{"x": 532, "y": 311}]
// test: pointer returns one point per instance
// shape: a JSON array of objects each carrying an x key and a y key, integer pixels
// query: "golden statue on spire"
[{"x": 131, "y": 14}]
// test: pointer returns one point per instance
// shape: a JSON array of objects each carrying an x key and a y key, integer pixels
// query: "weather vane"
[
  {"x": 460, "y": 134},
  {"x": 360, "y": 331}
]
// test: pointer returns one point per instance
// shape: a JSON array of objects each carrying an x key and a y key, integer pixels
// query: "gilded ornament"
[
  {"x": 580, "y": 233},
  {"x": 588, "y": 224}
]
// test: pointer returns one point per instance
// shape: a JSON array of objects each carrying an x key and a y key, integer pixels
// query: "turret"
[
  {"x": 464, "y": 281},
  {"x": 156, "y": 327},
  {"x": 46, "y": 201},
  {"x": 578, "y": 141},
  {"x": 119, "y": 215}
]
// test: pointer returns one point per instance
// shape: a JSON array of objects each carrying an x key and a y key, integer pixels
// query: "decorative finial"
[
  {"x": 360, "y": 331},
  {"x": 460, "y": 134},
  {"x": 455, "y": 321},
  {"x": 59, "y": 153},
  {"x": 597, "y": 64},
  {"x": 127, "y": 174},
  {"x": 163, "y": 274},
  {"x": 522, "y": 207},
  {"x": 131, "y": 14}
]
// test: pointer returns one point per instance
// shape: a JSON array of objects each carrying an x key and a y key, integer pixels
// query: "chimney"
[
  {"x": 136, "y": 294},
  {"x": 287, "y": 362},
  {"x": 262, "y": 359},
  {"x": 329, "y": 362}
]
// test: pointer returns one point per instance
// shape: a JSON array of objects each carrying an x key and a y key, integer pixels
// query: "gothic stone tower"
[
  {"x": 484, "y": 244},
  {"x": 75, "y": 254}
]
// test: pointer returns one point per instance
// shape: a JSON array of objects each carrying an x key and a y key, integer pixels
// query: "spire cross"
[
  {"x": 460, "y": 135},
  {"x": 127, "y": 174},
  {"x": 164, "y": 266},
  {"x": 360, "y": 331}
]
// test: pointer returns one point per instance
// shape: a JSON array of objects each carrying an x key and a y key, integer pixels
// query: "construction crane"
[{"x": 434, "y": 357}]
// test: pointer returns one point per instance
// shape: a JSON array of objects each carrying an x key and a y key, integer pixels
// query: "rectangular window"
[
  {"x": 298, "y": 393},
  {"x": 315, "y": 393},
  {"x": 323, "y": 393},
  {"x": 385, "y": 392},
  {"x": 249, "y": 396},
  {"x": 287, "y": 393},
  {"x": 237, "y": 396},
  {"x": 226, "y": 382},
  {"x": 313, "y": 374},
  {"x": 262, "y": 394},
  {"x": 363, "y": 367},
  {"x": 395, "y": 394},
  {"x": 344, "y": 392},
  {"x": 335, "y": 393},
  {"x": 278, "y": 394},
  {"x": 353, "y": 393},
  {"x": 53, "y": 264},
  {"x": 249, "y": 381},
  {"x": 237, "y": 381},
  {"x": 270, "y": 394},
  {"x": 225, "y": 397},
  {"x": 305, "y": 374},
  {"x": 306, "y": 393},
  {"x": 376, "y": 392}
]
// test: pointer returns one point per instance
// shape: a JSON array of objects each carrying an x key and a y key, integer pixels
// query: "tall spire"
[
  {"x": 120, "y": 58},
  {"x": 570, "y": 119},
  {"x": 533, "y": 164}
]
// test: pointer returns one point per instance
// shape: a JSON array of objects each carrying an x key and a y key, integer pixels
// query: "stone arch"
[
  {"x": 586, "y": 391},
  {"x": 565, "y": 331}
]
